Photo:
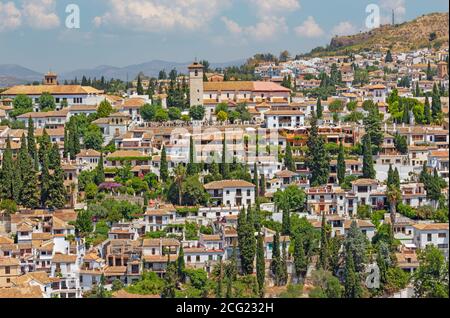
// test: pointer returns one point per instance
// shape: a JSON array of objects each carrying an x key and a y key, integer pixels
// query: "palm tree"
[
  {"x": 393, "y": 195},
  {"x": 180, "y": 176}
]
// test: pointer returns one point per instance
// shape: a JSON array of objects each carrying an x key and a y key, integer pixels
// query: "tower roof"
[{"x": 195, "y": 65}]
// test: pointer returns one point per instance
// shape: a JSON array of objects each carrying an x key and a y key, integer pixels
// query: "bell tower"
[
  {"x": 50, "y": 79},
  {"x": 196, "y": 83}
]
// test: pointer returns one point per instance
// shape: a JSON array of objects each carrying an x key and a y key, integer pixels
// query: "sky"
[{"x": 34, "y": 34}]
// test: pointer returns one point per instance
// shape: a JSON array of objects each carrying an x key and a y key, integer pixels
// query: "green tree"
[
  {"x": 22, "y": 104},
  {"x": 7, "y": 173},
  {"x": 164, "y": 167},
  {"x": 83, "y": 224},
  {"x": 29, "y": 193},
  {"x": 260, "y": 265},
  {"x": 352, "y": 285},
  {"x": 104, "y": 109},
  {"x": 181, "y": 264},
  {"x": 197, "y": 112},
  {"x": 192, "y": 167},
  {"x": 318, "y": 160},
  {"x": 427, "y": 111},
  {"x": 319, "y": 108},
  {"x": 99, "y": 177},
  {"x": 31, "y": 142},
  {"x": 288, "y": 159},
  {"x": 368, "y": 166},
  {"x": 324, "y": 251},
  {"x": 341, "y": 168},
  {"x": 372, "y": 125},
  {"x": 431, "y": 278},
  {"x": 93, "y": 138},
  {"x": 436, "y": 106},
  {"x": 47, "y": 102},
  {"x": 300, "y": 259},
  {"x": 56, "y": 198},
  {"x": 140, "y": 88}
]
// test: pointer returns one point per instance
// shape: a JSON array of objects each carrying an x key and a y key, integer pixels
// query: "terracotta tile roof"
[
  {"x": 127, "y": 153},
  {"x": 229, "y": 184},
  {"x": 284, "y": 113},
  {"x": 9, "y": 261},
  {"x": 365, "y": 182},
  {"x": 286, "y": 174},
  {"x": 21, "y": 292},
  {"x": 115, "y": 270},
  {"x": 56, "y": 113},
  {"x": 133, "y": 103},
  {"x": 88, "y": 153},
  {"x": 52, "y": 89},
  {"x": 64, "y": 258},
  {"x": 159, "y": 258},
  {"x": 431, "y": 226},
  {"x": 162, "y": 241},
  {"x": 205, "y": 237}
]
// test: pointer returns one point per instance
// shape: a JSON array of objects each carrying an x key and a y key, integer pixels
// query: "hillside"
[{"x": 430, "y": 29}]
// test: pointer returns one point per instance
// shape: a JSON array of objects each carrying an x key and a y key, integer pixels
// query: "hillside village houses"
[{"x": 41, "y": 253}]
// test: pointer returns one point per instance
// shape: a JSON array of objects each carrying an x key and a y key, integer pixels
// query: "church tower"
[
  {"x": 51, "y": 79},
  {"x": 196, "y": 83}
]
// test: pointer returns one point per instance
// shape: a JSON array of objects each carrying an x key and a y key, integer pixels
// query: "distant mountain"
[
  {"x": 426, "y": 30},
  {"x": 12, "y": 74},
  {"x": 130, "y": 72},
  {"x": 17, "y": 75}
]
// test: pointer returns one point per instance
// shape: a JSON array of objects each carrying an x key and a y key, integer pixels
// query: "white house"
[
  {"x": 284, "y": 119},
  {"x": 432, "y": 233},
  {"x": 232, "y": 193}
]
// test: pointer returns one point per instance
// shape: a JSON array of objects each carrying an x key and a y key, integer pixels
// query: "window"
[
  {"x": 197, "y": 258},
  {"x": 189, "y": 258},
  {"x": 7, "y": 270},
  {"x": 442, "y": 235},
  {"x": 429, "y": 236}
]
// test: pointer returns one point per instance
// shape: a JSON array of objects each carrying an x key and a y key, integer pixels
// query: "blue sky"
[{"x": 123, "y": 32}]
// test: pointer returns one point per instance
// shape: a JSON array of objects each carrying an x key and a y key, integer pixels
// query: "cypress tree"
[
  {"x": 300, "y": 260},
  {"x": 29, "y": 194},
  {"x": 405, "y": 118},
  {"x": 45, "y": 145},
  {"x": 164, "y": 167},
  {"x": 323, "y": 252},
  {"x": 352, "y": 285},
  {"x": 260, "y": 265},
  {"x": 417, "y": 92},
  {"x": 225, "y": 168},
  {"x": 284, "y": 264},
  {"x": 286, "y": 221},
  {"x": 54, "y": 159},
  {"x": 318, "y": 159},
  {"x": 256, "y": 182},
  {"x": 396, "y": 178},
  {"x": 140, "y": 89},
  {"x": 263, "y": 185},
  {"x": 56, "y": 197},
  {"x": 341, "y": 164},
  {"x": 219, "y": 279},
  {"x": 181, "y": 264},
  {"x": 436, "y": 107},
  {"x": 390, "y": 178},
  {"x": 427, "y": 112},
  {"x": 100, "y": 172},
  {"x": 247, "y": 243},
  {"x": 45, "y": 179},
  {"x": 276, "y": 258},
  {"x": 288, "y": 159},
  {"x": 368, "y": 168},
  {"x": 319, "y": 109},
  {"x": 31, "y": 141},
  {"x": 7, "y": 173},
  {"x": 192, "y": 167}
]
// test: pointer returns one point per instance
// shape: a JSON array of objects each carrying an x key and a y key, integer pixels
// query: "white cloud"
[
  {"x": 267, "y": 28},
  {"x": 344, "y": 28},
  {"x": 309, "y": 28},
  {"x": 40, "y": 14},
  {"x": 386, "y": 6},
  {"x": 161, "y": 15},
  {"x": 269, "y": 7},
  {"x": 10, "y": 16}
]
